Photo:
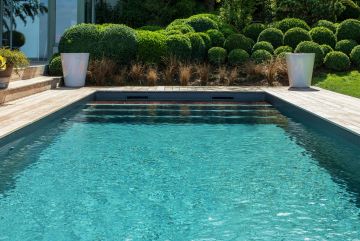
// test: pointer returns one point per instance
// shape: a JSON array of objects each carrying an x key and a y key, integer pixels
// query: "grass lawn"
[{"x": 347, "y": 83}]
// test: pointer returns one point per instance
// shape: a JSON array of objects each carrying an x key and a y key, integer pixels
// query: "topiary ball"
[
  {"x": 238, "y": 56},
  {"x": 201, "y": 23},
  {"x": 253, "y": 30},
  {"x": 183, "y": 28},
  {"x": 217, "y": 55},
  {"x": 238, "y": 41},
  {"x": 263, "y": 45},
  {"x": 295, "y": 36},
  {"x": 355, "y": 56},
  {"x": 261, "y": 55},
  {"x": 227, "y": 29},
  {"x": 151, "y": 28},
  {"x": 352, "y": 10},
  {"x": 326, "y": 49},
  {"x": 55, "y": 67},
  {"x": 207, "y": 40},
  {"x": 273, "y": 36},
  {"x": 283, "y": 49},
  {"x": 151, "y": 46},
  {"x": 217, "y": 38},
  {"x": 349, "y": 29},
  {"x": 311, "y": 47},
  {"x": 198, "y": 47},
  {"x": 289, "y": 23},
  {"x": 18, "y": 38},
  {"x": 337, "y": 61},
  {"x": 326, "y": 24},
  {"x": 322, "y": 35},
  {"x": 346, "y": 46},
  {"x": 179, "y": 46}
]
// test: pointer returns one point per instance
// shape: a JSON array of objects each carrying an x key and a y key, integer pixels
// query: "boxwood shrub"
[
  {"x": 273, "y": 36},
  {"x": 355, "y": 56},
  {"x": 283, "y": 49},
  {"x": 217, "y": 37},
  {"x": 289, "y": 23},
  {"x": 311, "y": 47},
  {"x": 326, "y": 49},
  {"x": 207, "y": 40},
  {"x": 261, "y": 55},
  {"x": 346, "y": 46},
  {"x": 55, "y": 67},
  {"x": 151, "y": 28},
  {"x": 227, "y": 29},
  {"x": 352, "y": 10},
  {"x": 253, "y": 30},
  {"x": 263, "y": 45},
  {"x": 201, "y": 23},
  {"x": 151, "y": 46},
  {"x": 198, "y": 48},
  {"x": 238, "y": 41},
  {"x": 349, "y": 29},
  {"x": 337, "y": 61},
  {"x": 326, "y": 24},
  {"x": 217, "y": 55},
  {"x": 214, "y": 17},
  {"x": 179, "y": 46},
  {"x": 295, "y": 36},
  {"x": 183, "y": 28},
  {"x": 238, "y": 56},
  {"x": 322, "y": 35}
]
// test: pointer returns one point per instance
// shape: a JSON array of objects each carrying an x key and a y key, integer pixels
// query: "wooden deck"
[{"x": 337, "y": 108}]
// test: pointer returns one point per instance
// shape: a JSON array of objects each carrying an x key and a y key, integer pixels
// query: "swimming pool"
[{"x": 180, "y": 172}]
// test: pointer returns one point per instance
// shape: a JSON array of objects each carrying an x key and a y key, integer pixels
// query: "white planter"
[
  {"x": 300, "y": 69},
  {"x": 75, "y": 67}
]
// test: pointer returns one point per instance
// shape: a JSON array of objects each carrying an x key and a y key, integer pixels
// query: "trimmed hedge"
[
  {"x": 201, "y": 23},
  {"x": 322, "y": 35},
  {"x": 355, "y": 56},
  {"x": 151, "y": 46},
  {"x": 217, "y": 38},
  {"x": 337, "y": 61},
  {"x": 253, "y": 30},
  {"x": 273, "y": 36},
  {"x": 217, "y": 55},
  {"x": 349, "y": 29},
  {"x": 179, "y": 46},
  {"x": 238, "y": 41},
  {"x": 263, "y": 45},
  {"x": 198, "y": 47},
  {"x": 346, "y": 46},
  {"x": 326, "y": 24},
  {"x": 326, "y": 49},
  {"x": 311, "y": 47},
  {"x": 283, "y": 49},
  {"x": 183, "y": 28},
  {"x": 207, "y": 40},
  {"x": 261, "y": 55},
  {"x": 238, "y": 56},
  {"x": 55, "y": 67},
  {"x": 295, "y": 36},
  {"x": 151, "y": 28},
  {"x": 289, "y": 23}
]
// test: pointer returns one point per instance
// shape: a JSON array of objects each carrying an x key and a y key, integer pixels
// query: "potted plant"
[{"x": 14, "y": 59}]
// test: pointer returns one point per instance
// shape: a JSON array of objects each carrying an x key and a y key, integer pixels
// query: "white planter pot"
[
  {"x": 75, "y": 67},
  {"x": 300, "y": 69}
]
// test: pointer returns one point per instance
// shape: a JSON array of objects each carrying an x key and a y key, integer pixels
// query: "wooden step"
[{"x": 29, "y": 72}]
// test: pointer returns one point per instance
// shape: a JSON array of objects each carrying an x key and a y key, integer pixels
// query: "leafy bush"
[
  {"x": 227, "y": 29},
  {"x": 238, "y": 41},
  {"x": 289, "y": 23},
  {"x": 263, "y": 45},
  {"x": 207, "y": 40},
  {"x": 217, "y": 38},
  {"x": 349, "y": 29},
  {"x": 322, "y": 35},
  {"x": 83, "y": 38},
  {"x": 326, "y": 24},
  {"x": 346, "y": 46},
  {"x": 238, "y": 56},
  {"x": 355, "y": 56},
  {"x": 283, "y": 49},
  {"x": 55, "y": 67},
  {"x": 253, "y": 30},
  {"x": 351, "y": 10},
  {"x": 171, "y": 32},
  {"x": 151, "y": 46},
  {"x": 326, "y": 49},
  {"x": 273, "y": 36},
  {"x": 18, "y": 39},
  {"x": 337, "y": 61},
  {"x": 295, "y": 36},
  {"x": 183, "y": 28},
  {"x": 179, "y": 46},
  {"x": 217, "y": 55},
  {"x": 152, "y": 28},
  {"x": 197, "y": 45},
  {"x": 311, "y": 47},
  {"x": 14, "y": 57},
  {"x": 119, "y": 43},
  {"x": 261, "y": 55},
  {"x": 201, "y": 24},
  {"x": 214, "y": 17}
]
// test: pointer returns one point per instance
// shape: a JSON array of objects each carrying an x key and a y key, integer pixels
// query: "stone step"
[
  {"x": 22, "y": 88},
  {"x": 33, "y": 71}
]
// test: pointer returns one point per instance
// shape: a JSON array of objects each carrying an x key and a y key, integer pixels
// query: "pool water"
[{"x": 180, "y": 172}]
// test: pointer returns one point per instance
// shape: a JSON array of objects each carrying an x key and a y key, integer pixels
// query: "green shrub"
[
  {"x": 119, "y": 43},
  {"x": 349, "y": 29},
  {"x": 283, "y": 49},
  {"x": 82, "y": 38},
  {"x": 326, "y": 24},
  {"x": 172, "y": 32},
  {"x": 289, "y": 23},
  {"x": 179, "y": 21},
  {"x": 238, "y": 56},
  {"x": 238, "y": 41},
  {"x": 201, "y": 24},
  {"x": 214, "y": 17},
  {"x": 311, "y": 47},
  {"x": 207, "y": 40},
  {"x": 273, "y": 36},
  {"x": 217, "y": 38},
  {"x": 337, "y": 61},
  {"x": 351, "y": 10},
  {"x": 227, "y": 29},
  {"x": 18, "y": 39},
  {"x": 261, "y": 55},
  {"x": 295, "y": 36},
  {"x": 55, "y": 67},
  {"x": 263, "y": 45},
  {"x": 355, "y": 56},
  {"x": 198, "y": 47},
  {"x": 151, "y": 46},
  {"x": 322, "y": 35},
  {"x": 151, "y": 28},
  {"x": 326, "y": 49},
  {"x": 183, "y": 28},
  {"x": 346, "y": 46},
  {"x": 253, "y": 30},
  {"x": 179, "y": 46},
  {"x": 217, "y": 55}
]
